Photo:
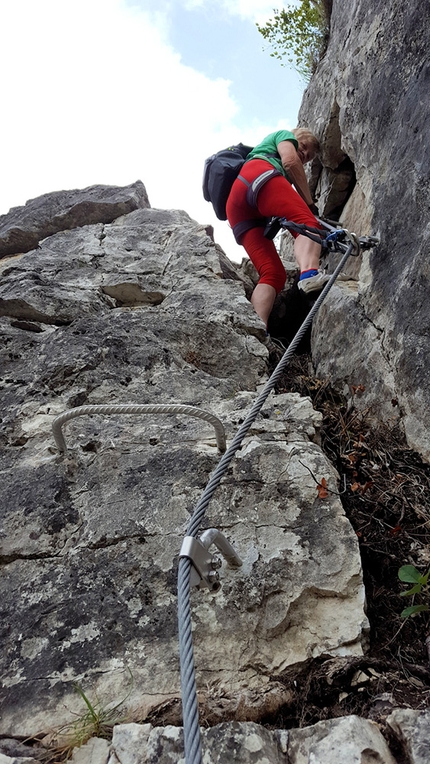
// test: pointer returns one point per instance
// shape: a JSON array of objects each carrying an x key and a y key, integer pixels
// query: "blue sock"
[{"x": 308, "y": 274}]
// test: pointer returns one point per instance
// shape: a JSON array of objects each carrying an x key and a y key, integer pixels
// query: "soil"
[{"x": 385, "y": 491}]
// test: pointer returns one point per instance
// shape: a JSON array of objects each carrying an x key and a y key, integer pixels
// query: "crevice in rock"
[
  {"x": 386, "y": 501},
  {"x": 341, "y": 185},
  {"x": 102, "y": 235},
  {"x": 129, "y": 295},
  {"x": 6, "y": 559},
  {"x": 332, "y": 179},
  {"x": 105, "y": 543},
  {"x": 27, "y": 326},
  {"x": 20, "y": 309}
]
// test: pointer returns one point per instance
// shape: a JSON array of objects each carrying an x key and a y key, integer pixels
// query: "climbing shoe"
[{"x": 313, "y": 283}]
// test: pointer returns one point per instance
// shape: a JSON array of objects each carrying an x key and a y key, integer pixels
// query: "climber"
[{"x": 287, "y": 152}]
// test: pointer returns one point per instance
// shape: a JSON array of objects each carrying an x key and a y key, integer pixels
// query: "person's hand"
[{"x": 314, "y": 209}]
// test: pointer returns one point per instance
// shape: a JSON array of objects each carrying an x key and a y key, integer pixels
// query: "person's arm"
[{"x": 294, "y": 168}]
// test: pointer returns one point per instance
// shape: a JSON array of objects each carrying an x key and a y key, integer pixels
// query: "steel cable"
[{"x": 192, "y": 742}]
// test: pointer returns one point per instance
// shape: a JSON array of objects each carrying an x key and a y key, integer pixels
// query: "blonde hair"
[{"x": 303, "y": 132}]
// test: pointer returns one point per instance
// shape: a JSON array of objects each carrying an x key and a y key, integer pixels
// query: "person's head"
[{"x": 308, "y": 144}]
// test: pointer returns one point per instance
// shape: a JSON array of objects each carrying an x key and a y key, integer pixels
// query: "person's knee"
[
  {"x": 265, "y": 258},
  {"x": 275, "y": 277}
]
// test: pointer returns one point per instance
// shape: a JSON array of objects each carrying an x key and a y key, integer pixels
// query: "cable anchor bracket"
[
  {"x": 367, "y": 242},
  {"x": 205, "y": 566}
]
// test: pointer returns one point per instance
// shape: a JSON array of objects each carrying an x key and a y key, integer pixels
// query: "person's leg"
[
  {"x": 307, "y": 253},
  {"x": 282, "y": 200},
  {"x": 278, "y": 198},
  {"x": 262, "y": 300},
  {"x": 262, "y": 253}
]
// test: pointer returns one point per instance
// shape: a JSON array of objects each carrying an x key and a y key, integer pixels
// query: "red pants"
[{"x": 276, "y": 198}]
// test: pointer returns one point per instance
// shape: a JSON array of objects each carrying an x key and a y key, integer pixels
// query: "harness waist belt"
[
  {"x": 254, "y": 187},
  {"x": 245, "y": 225}
]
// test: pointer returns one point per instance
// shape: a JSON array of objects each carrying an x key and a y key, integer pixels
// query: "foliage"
[
  {"x": 299, "y": 33},
  {"x": 410, "y": 575},
  {"x": 97, "y": 721}
]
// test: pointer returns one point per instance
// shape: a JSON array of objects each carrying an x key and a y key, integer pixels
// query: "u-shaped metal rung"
[{"x": 137, "y": 409}]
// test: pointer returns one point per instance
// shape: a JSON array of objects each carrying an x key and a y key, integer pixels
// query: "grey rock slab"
[
  {"x": 247, "y": 743},
  {"x": 341, "y": 320},
  {"x": 412, "y": 729},
  {"x": 95, "y": 751},
  {"x": 90, "y": 540},
  {"x": 358, "y": 102},
  {"x": 156, "y": 258},
  {"x": 22, "y": 228},
  {"x": 105, "y": 605},
  {"x": 349, "y": 739},
  {"x": 37, "y": 514},
  {"x": 139, "y": 356}
]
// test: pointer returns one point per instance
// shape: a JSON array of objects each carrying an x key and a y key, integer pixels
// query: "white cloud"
[
  {"x": 95, "y": 94},
  {"x": 255, "y": 10}
]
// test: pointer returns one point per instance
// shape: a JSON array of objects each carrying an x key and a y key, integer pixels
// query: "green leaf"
[
  {"x": 412, "y": 610},
  {"x": 415, "y": 590},
  {"x": 302, "y": 29},
  {"x": 80, "y": 691},
  {"x": 409, "y": 574}
]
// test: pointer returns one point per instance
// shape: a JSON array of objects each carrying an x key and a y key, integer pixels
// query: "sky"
[{"x": 114, "y": 91}]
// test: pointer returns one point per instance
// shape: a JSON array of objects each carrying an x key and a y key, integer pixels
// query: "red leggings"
[{"x": 276, "y": 198}]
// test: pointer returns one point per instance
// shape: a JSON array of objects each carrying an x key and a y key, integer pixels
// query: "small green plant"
[
  {"x": 410, "y": 575},
  {"x": 97, "y": 721},
  {"x": 299, "y": 33}
]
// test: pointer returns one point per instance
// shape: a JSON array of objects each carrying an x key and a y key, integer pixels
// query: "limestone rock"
[
  {"x": 246, "y": 743},
  {"x": 16, "y": 760},
  {"x": 349, "y": 739},
  {"x": 22, "y": 228},
  {"x": 137, "y": 311},
  {"x": 364, "y": 366},
  {"x": 15, "y": 749},
  {"x": 412, "y": 728},
  {"x": 95, "y": 751},
  {"x": 369, "y": 113}
]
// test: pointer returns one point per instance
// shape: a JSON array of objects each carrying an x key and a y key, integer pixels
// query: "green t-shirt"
[{"x": 269, "y": 146}]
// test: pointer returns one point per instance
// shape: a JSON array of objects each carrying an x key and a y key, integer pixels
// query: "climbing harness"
[{"x": 190, "y": 568}]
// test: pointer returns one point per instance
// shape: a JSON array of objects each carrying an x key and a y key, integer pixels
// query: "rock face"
[
  {"x": 368, "y": 104},
  {"x": 104, "y": 300},
  {"x": 412, "y": 728},
  {"x": 136, "y": 311},
  {"x": 350, "y": 739},
  {"x": 23, "y": 227}
]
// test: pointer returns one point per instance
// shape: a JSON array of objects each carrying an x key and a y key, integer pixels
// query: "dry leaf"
[
  {"x": 394, "y": 531},
  {"x": 322, "y": 489}
]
